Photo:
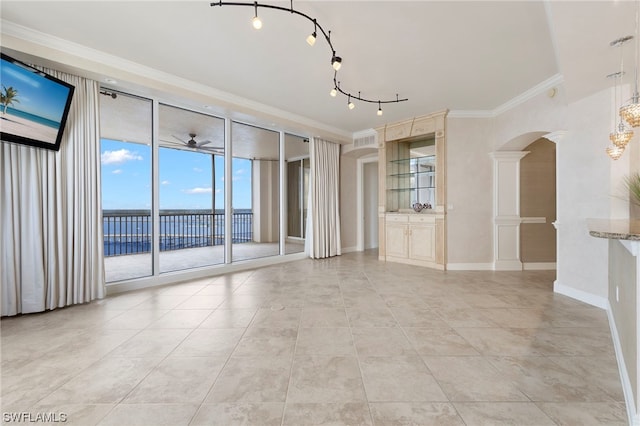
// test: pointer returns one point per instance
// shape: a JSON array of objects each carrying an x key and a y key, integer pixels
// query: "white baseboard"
[
  {"x": 539, "y": 266},
  {"x": 582, "y": 296},
  {"x": 469, "y": 266},
  {"x": 632, "y": 414},
  {"x": 507, "y": 265},
  {"x": 349, "y": 249}
]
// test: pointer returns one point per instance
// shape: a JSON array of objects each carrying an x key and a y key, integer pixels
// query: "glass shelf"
[
  {"x": 410, "y": 189},
  {"x": 410, "y": 174}
]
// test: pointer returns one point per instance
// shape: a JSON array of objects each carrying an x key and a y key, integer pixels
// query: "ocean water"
[{"x": 31, "y": 117}]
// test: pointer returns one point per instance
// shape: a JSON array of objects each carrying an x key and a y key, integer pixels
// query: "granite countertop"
[{"x": 617, "y": 229}]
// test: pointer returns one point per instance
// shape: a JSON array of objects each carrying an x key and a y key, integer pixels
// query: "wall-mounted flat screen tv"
[{"x": 33, "y": 105}]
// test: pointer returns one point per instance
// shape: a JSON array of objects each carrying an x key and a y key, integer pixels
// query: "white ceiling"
[{"x": 460, "y": 55}]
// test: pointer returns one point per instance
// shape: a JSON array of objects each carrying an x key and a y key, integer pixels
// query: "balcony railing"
[{"x": 130, "y": 231}]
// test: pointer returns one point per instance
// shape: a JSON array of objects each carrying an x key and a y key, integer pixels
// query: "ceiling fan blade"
[
  {"x": 184, "y": 142},
  {"x": 174, "y": 143},
  {"x": 203, "y": 143}
]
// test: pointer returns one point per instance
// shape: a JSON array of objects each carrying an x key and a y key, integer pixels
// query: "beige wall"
[
  {"x": 469, "y": 191},
  {"x": 348, "y": 201},
  {"x": 538, "y": 199}
]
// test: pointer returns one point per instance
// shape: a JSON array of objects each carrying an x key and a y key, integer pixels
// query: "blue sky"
[
  {"x": 185, "y": 178},
  {"x": 36, "y": 94}
]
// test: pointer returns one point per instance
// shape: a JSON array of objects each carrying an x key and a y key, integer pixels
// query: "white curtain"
[
  {"x": 50, "y": 231},
  {"x": 323, "y": 217}
]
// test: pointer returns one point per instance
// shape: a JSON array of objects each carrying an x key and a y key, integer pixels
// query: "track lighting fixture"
[
  {"x": 257, "y": 23},
  {"x": 336, "y": 61},
  {"x": 311, "y": 40}
]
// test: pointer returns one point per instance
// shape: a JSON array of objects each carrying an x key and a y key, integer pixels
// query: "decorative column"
[{"x": 506, "y": 210}]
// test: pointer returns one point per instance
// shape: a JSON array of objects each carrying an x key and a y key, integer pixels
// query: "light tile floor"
[{"x": 348, "y": 340}]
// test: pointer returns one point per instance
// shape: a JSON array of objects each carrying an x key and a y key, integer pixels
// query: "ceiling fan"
[{"x": 192, "y": 143}]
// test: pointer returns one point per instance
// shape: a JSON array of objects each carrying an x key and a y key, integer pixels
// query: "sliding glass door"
[
  {"x": 256, "y": 192},
  {"x": 191, "y": 190},
  {"x": 126, "y": 161}
]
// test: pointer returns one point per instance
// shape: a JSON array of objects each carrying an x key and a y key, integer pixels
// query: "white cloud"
[
  {"x": 197, "y": 170},
  {"x": 197, "y": 191},
  {"x": 119, "y": 157},
  {"x": 165, "y": 182},
  {"x": 240, "y": 171},
  {"x": 117, "y": 171}
]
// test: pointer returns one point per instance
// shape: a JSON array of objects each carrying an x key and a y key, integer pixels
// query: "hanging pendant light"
[
  {"x": 614, "y": 152},
  {"x": 620, "y": 136},
  {"x": 631, "y": 111}
]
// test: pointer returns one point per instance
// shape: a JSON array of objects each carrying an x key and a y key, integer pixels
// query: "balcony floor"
[{"x": 124, "y": 267}]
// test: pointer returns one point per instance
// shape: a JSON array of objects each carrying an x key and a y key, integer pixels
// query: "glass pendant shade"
[
  {"x": 614, "y": 152},
  {"x": 621, "y": 137},
  {"x": 631, "y": 112}
]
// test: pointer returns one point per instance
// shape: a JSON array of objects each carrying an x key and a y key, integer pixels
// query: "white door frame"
[{"x": 360, "y": 198}]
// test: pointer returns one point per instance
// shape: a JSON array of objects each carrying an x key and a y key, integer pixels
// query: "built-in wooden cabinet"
[{"x": 411, "y": 170}]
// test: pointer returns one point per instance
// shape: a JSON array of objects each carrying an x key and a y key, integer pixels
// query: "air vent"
[{"x": 365, "y": 141}]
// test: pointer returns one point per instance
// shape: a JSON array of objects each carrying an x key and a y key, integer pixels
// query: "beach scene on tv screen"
[{"x": 31, "y": 106}]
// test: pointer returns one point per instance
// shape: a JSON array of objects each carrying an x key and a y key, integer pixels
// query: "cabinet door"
[
  {"x": 397, "y": 240},
  {"x": 422, "y": 242}
]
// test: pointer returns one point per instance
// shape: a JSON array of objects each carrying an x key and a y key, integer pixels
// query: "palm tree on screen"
[{"x": 8, "y": 97}]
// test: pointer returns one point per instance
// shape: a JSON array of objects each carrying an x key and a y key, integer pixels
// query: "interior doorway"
[
  {"x": 538, "y": 206},
  {"x": 367, "y": 203}
]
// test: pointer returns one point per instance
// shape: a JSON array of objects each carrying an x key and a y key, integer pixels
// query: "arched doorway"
[
  {"x": 538, "y": 206},
  {"x": 507, "y": 199}
]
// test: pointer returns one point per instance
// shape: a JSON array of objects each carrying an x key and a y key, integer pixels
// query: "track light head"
[
  {"x": 350, "y": 104},
  {"x": 311, "y": 39},
  {"x": 336, "y": 62},
  {"x": 256, "y": 22}
]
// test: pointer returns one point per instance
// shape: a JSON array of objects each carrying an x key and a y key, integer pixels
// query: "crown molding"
[
  {"x": 88, "y": 54},
  {"x": 471, "y": 113},
  {"x": 539, "y": 88}
]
